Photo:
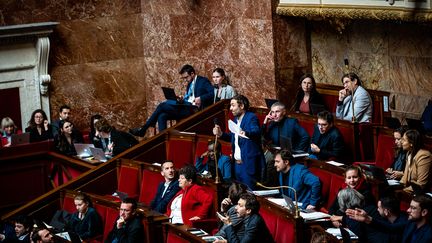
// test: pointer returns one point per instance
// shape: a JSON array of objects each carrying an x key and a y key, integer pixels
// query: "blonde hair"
[{"x": 7, "y": 122}]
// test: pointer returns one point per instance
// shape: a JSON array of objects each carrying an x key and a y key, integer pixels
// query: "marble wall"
[
  {"x": 393, "y": 57},
  {"x": 112, "y": 57}
]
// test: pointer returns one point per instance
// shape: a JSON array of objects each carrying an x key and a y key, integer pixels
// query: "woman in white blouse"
[{"x": 222, "y": 89}]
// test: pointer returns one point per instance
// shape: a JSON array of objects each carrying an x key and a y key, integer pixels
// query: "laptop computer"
[
  {"x": 17, "y": 139},
  {"x": 83, "y": 149},
  {"x": 169, "y": 93},
  {"x": 317, "y": 108},
  {"x": 99, "y": 154},
  {"x": 375, "y": 172},
  {"x": 270, "y": 102}
]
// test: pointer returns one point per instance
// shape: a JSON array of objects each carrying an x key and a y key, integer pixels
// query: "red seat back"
[
  {"x": 111, "y": 216},
  {"x": 336, "y": 184},
  {"x": 69, "y": 204},
  {"x": 308, "y": 125},
  {"x": 384, "y": 151},
  {"x": 149, "y": 184},
  {"x": 325, "y": 179},
  {"x": 180, "y": 150},
  {"x": 128, "y": 180}
]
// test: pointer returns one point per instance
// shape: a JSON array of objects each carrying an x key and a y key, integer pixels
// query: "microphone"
[
  {"x": 297, "y": 211},
  {"x": 217, "y": 178}
]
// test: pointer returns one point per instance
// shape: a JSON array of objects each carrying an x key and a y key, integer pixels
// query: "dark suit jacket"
[
  {"x": 89, "y": 227},
  {"x": 132, "y": 232},
  {"x": 288, "y": 128},
  {"x": 122, "y": 141},
  {"x": 160, "y": 203},
  {"x": 331, "y": 144},
  {"x": 251, "y": 151},
  {"x": 204, "y": 90},
  {"x": 255, "y": 230},
  {"x": 36, "y": 137}
]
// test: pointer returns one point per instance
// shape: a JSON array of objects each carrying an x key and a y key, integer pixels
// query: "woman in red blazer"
[{"x": 192, "y": 202}]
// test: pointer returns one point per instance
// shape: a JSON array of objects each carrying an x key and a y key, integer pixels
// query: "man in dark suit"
[
  {"x": 167, "y": 189},
  {"x": 255, "y": 229},
  {"x": 199, "y": 94},
  {"x": 246, "y": 143},
  {"x": 327, "y": 141},
  {"x": 282, "y": 129},
  {"x": 64, "y": 114},
  {"x": 128, "y": 227}
]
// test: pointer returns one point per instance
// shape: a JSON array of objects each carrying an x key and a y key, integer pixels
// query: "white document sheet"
[{"x": 234, "y": 128}]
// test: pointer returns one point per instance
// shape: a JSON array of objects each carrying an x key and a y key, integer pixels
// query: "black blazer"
[
  {"x": 160, "y": 203},
  {"x": 132, "y": 232},
  {"x": 122, "y": 141}
]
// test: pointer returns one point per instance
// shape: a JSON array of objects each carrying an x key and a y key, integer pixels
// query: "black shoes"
[{"x": 139, "y": 131}]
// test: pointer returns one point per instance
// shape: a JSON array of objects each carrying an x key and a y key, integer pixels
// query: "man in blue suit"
[
  {"x": 246, "y": 144},
  {"x": 167, "y": 189},
  {"x": 282, "y": 130},
  {"x": 199, "y": 94},
  {"x": 297, "y": 176}
]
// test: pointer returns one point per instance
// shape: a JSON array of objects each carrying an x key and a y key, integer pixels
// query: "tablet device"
[{"x": 23, "y": 138}]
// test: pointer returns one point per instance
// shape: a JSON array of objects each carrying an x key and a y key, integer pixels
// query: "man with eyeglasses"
[
  {"x": 128, "y": 227},
  {"x": 199, "y": 95},
  {"x": 327, "y": 141}
]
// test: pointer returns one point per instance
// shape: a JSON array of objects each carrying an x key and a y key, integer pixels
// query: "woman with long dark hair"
[
  {"x": 418, "y": 161},
  {"x": 67, "y": 138},
  {"x": 307, "y": 96},
  {"x": 39, "y": 127}
]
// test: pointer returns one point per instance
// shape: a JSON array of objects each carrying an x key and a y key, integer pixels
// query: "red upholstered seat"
[
  {"x": 325, "y": 179},
  {"x": 68, "y": 204},
  {"x": 330, "y": 101},
  {"x": 179, "y": 150},
  {"x": 149, "y": 183},
  {"x": 128, "y": 180},
  {"x": 335, "y": 186},
  {"x": 281, "y": 229},
  {"x": 308, "y": 125},
  {"x": 111, "y": 216},
  {"x": 348, "y": 137}
]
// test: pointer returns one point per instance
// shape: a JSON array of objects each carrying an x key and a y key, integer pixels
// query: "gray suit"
[{"x": 362, "y": 106}]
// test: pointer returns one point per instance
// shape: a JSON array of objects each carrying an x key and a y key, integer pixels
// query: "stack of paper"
[
  {"x": 337, "y": 233},
  {"x": 266, "y": 192},
  {"x": 314, "y": 216}
]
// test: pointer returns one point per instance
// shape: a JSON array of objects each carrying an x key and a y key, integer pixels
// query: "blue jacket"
[
  {"x": 224, "y": 165},
  {"x": 331, "y": 144},
  {"x": 204, "y": 90},
  {"x": 160, "y": 203},
  {"x": 253, "y": 167},
  {"x": 307, "y": 186},
  {"x": 288, "y": 128}
]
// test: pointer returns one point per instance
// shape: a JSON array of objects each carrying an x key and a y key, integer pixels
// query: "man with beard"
[{"x": 246, "y": 143}]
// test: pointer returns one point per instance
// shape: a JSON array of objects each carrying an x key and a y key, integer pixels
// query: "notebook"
[
  {"x": 99, "y": 154},
  {"x": 83, "y": 149},
  {"x": 169, "y": 93},
  {"x": 23, "y": 138}
]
